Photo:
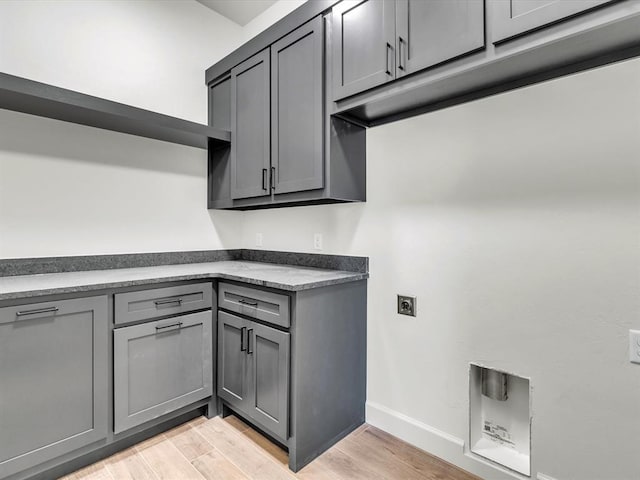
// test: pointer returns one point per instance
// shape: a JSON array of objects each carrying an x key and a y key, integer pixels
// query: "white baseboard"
[
  {"x": 542, "y": 476},
  {"x": 441, "y": 444}
]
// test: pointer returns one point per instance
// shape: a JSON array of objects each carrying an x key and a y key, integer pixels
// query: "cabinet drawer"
[
  {"x": 268, "y": 306},
  {"x": 161, "y": 366},
  {"x": 144, "y": 304}
]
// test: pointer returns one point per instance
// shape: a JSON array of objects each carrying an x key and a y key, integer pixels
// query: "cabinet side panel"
[
  {"x": 219, "y": 171},
  {"x": 328, "y": 368},
  {"x": 348, "y": 156}
]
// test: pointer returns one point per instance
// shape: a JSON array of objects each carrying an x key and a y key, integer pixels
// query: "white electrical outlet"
[
  {"x": 258, "y": 239},
  {"x": 317, "y": 241},
  {"x": 634, "y": 346}
]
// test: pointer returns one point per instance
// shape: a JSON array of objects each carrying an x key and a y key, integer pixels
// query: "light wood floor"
[{"x": 227, "y": 449}]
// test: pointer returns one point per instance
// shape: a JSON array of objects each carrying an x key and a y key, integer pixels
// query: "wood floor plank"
[
  {"x": 316, "y": 471},
  {"x": 241, "y": 452},
  {"x": 432, "y": 467},
  {"x": 96, "y": 471},
  {"x": 383, "y": 461},
  {"x": 344, "y": 467},
  {"x": 190, "y": 443},
  {"x": 267, "y": 447},
  {"x": 228, "y": 449},
  {"x": 215, "y": 466},
  {"x": 236, "y": 423},
  {"x": 168, "y": 463},
  {"x": 129, "y": 465}
]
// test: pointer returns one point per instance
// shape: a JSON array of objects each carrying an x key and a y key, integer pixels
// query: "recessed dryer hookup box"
[{"x": 500, "y": 417}]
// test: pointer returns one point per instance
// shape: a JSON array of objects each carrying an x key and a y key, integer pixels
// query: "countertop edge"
[{"x": 26, "y": 294}]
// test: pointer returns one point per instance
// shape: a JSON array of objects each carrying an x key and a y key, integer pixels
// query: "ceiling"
[{"x": 238, "y": 11}]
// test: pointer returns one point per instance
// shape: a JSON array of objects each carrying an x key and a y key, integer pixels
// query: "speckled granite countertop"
[{"x": 285, "y": 277}]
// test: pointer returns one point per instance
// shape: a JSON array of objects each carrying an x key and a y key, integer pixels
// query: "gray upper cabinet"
[
  {"x": 435, "y": 31},
  {"x": 515, "y": 17},
  {"x": 250, "y": 133},
  {"x": 363, "y": 37},
  {"x": 161, "y": 366},
  {"x": 296, "y": 112},
  {"x": 53, "y": 380}
]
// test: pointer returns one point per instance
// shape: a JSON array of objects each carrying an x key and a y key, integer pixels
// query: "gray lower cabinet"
[
  {"x": 161, "y": 366},
  {"x": 303, "y": 383},
  {"x": 253, "y": 371},
  {"x": 53, "y": 380},
  {"x": 364, "y": 39},
  {"x": 515, "y": 17},
  {"x": 435, "y": 31}
]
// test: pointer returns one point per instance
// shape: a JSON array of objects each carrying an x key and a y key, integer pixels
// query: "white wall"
[
  {"x": 70, "y": 190},
  {"x": 271, "y": 15},
  {"x": 516, "y": 222},
  {"x": 514, "y": 219}
]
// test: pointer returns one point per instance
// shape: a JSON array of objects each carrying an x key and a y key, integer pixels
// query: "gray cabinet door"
[
  {"x": 268, "y": 374},
  {"x": 53, "y": 380},
  {"x": 250, "y": 132},
  {"x": 232, "y": 359},
  {"x": 296, "y": 110},
  {"x": 515, "y": 17},
  {"x": 363, "y": 38},
  {"x": 435, "y": 31},
  {"x": 161, "y": 366}
]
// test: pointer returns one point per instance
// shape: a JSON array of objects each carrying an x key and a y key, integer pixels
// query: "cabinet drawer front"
[
  {"x": 134, "y": 306},
  {"x": 161, "y": 366},
  {"x": 53, "y": 380},
  {"x": 268, "y": 306}
]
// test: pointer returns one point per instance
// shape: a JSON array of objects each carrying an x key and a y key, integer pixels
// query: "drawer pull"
[
  {"x": 249, "y": 334},
  {"x": 37, "y": 311},
  {"x": 242, "y": 330},
  {"x": 168, "y": 301},
  {"x": 164, "y": 327},
  {"x": 247, "y": 302}
]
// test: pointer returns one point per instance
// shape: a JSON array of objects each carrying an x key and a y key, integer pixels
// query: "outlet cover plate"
[{"x": 407, "y": 305}]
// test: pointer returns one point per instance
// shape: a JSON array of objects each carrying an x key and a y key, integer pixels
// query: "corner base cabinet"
[
  {"x": 53, "y": 380},
  {"x": 294, "y": 363}
]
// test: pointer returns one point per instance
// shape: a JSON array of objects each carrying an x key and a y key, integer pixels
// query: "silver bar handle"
[
  {"x": 164, "y": 327},
  {"x": 401, "y": 51},
  {"x": 389, "y": 49},
  {"x": 249, "y": 349},
  {"x": 247, "y": 302},
  {"x": 168, "y": 301},
  {"x": 37, "y": 311}
]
